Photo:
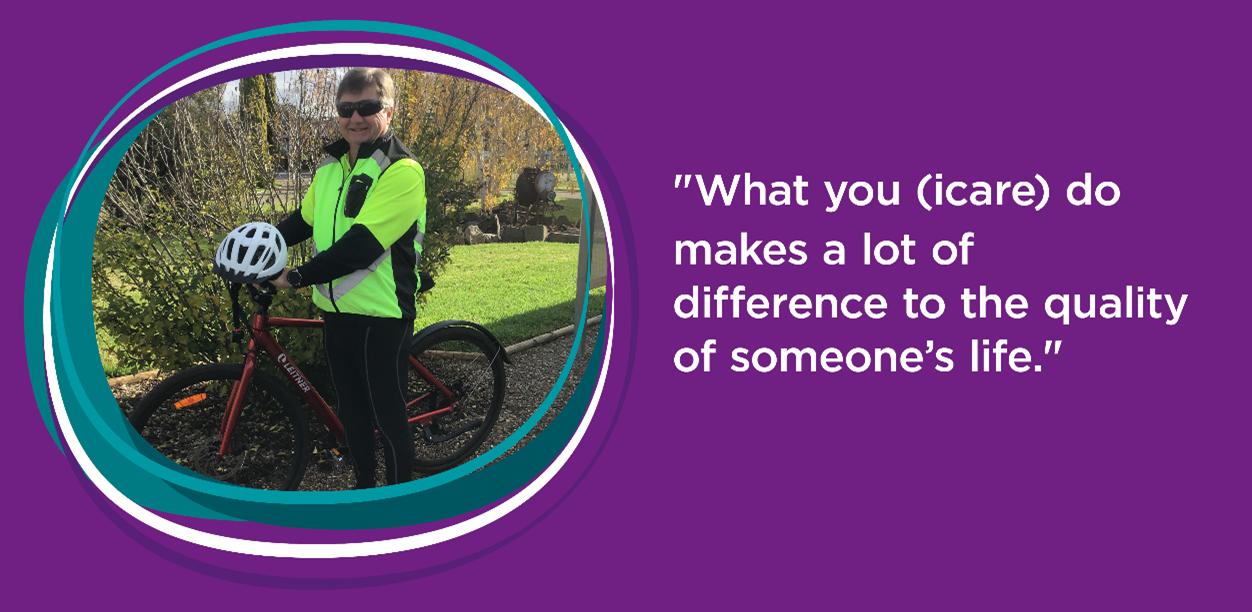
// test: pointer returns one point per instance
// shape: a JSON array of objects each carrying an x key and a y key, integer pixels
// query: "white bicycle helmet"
[{"x": 251, "y": 253}]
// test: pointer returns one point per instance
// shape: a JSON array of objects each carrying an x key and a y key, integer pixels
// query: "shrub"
[{"x": 190, "y": 177}]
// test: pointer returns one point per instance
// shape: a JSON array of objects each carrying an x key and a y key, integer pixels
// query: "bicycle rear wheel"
[
  {"x": 181, "y": 418},
  {"x": 465, "y": 362}
]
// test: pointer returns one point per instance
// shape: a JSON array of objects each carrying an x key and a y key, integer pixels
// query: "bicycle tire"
[
  {"x": 467, "y": 361},
  {"x": 182, "y": 415}
]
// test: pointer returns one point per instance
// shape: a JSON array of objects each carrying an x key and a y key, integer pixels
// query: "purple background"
[{"x": 1116, "y": 478}]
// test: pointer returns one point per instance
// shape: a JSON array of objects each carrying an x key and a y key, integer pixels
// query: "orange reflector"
[{"x": 195, "y": 399}]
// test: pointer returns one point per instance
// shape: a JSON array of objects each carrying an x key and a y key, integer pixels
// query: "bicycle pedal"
[{"x": 339, "y": 461}]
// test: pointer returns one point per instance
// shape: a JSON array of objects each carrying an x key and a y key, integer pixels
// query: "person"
[{"x": 366, "y": 213}]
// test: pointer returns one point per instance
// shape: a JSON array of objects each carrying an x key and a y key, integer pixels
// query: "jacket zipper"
[{"x": 334, "y": 232}]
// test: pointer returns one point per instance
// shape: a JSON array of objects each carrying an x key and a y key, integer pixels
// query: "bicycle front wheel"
[
  {"x": 182, "y": 417},
  {"x": 462, "y": 380}
]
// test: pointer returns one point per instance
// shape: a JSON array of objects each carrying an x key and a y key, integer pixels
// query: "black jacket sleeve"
[
  {"x": 357, "y": 249},
  {"x": 294, "y": 229}
]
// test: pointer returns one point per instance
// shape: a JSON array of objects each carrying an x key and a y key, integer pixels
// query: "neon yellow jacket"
[{"x": 367, "y": 223}]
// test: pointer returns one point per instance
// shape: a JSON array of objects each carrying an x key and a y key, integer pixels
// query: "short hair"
[{"x": 359, "y": 79}]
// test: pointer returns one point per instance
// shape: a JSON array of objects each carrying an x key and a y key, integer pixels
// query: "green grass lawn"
[
  {"x": 570, "y": 207},
  {"x": 518, "y": 291}
]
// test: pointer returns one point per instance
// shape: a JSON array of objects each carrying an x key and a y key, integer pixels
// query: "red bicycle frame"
[{"x": 262, "y": 340}]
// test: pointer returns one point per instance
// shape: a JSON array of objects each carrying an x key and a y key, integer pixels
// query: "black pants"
[{"x": 368, "y": 359}]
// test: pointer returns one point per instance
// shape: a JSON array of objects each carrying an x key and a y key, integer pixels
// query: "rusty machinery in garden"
[{"x": 534, "y": 194}]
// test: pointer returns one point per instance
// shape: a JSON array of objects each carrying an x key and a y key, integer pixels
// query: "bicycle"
[{"x": 455, "y": 391}]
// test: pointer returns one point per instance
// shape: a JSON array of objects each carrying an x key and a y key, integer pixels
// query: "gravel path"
[{"x": 529, "y": 379}]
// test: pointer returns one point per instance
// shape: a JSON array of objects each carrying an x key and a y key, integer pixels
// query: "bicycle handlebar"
[{"x": 262, "y": 296}]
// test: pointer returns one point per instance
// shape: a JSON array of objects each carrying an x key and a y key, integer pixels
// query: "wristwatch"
[{"x": 293, "y": 278}]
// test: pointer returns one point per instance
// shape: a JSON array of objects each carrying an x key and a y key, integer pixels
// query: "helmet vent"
[{"x": 250, "y": 253}]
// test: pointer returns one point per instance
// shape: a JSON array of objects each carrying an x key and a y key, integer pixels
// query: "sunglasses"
[{"x": 364, "y": 107}]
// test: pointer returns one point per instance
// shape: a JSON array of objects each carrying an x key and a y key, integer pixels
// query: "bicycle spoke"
[
  {"x": 181, "y": 419},
  {"x": 469, "y": 366}
]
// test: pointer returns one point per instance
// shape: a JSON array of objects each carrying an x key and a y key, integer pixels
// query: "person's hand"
[{"x": 280, "y": 282}]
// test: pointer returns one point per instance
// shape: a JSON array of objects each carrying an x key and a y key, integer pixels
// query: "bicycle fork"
[{"x": 235, "y": 405}]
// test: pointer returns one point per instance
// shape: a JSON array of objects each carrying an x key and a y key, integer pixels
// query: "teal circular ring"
[{"x": 152, "y": 481}]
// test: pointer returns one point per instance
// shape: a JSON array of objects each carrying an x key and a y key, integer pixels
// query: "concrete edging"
[
  {"x": 132, "y": 378},
  {"x": 548, "y": 337}
]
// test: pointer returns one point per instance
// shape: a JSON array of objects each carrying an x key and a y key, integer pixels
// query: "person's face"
[{"x": 357, "y": 129}]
